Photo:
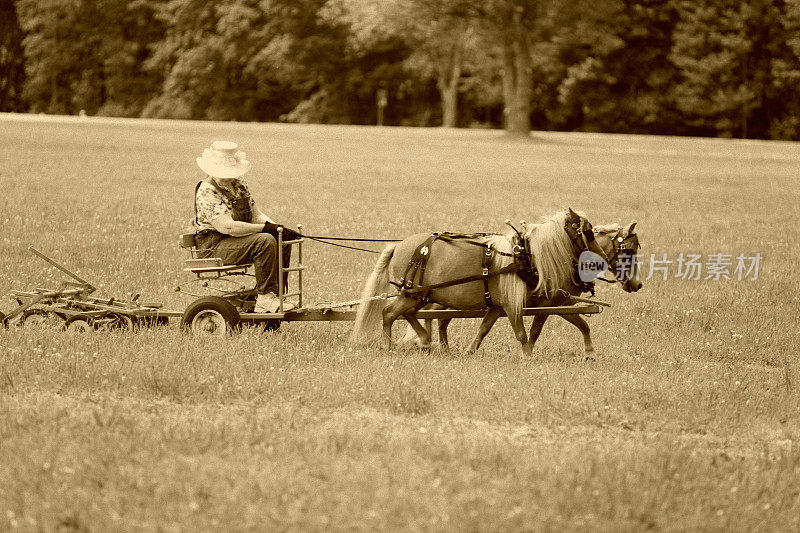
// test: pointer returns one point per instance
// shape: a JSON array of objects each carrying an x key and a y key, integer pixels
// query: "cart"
[{"x": 223, "y": 313}]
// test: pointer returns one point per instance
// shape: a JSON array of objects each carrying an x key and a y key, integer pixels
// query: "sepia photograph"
[{"x": 399, "y": 265}]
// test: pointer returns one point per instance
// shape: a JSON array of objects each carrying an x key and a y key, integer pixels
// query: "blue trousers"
[{"x": 259, "y": 249}]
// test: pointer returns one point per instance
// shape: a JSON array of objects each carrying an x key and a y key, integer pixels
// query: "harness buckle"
[{"x": 485, "y": 271}]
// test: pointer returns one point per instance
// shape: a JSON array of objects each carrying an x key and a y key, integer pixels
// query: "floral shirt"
[{"x": 212, "y": 204}]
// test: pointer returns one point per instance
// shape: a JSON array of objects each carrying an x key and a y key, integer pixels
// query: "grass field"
[{"x": 688, "y": 420}]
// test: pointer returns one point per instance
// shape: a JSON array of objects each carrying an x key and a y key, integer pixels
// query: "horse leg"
[
  {"x": 583, "y": 326},
  {"x": 422, "y": 332},
  {"x": 429, "y": 325},
  {"x": 443, "y": 323},
  {"x": 518, "y": 325},
  {"x": 400, "y": 306},
  {"x": 486, "y": 326},
  {"x": 536, "y": 328}
]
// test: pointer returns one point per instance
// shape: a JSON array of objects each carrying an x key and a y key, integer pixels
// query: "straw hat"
[{"x": 223, "y": 160}]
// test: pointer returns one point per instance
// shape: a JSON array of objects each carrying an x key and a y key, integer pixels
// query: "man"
[{"x": 229, "y": 225}]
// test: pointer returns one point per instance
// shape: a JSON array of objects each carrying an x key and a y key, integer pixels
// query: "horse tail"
[
  {"x": 514, "y": 293},
  {"x": 369, "y": 317}
]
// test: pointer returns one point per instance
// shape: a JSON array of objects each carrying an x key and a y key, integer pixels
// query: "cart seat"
[
  {"x": 206, "y": 265},
  {"x": 214, "y": 267}
]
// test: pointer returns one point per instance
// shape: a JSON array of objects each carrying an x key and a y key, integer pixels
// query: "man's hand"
[{"x": 272, "y": 229}]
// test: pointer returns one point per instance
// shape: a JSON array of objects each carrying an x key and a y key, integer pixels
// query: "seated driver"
[{"x": 229, "y": 225}]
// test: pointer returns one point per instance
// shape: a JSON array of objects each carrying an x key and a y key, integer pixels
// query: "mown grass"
[{"x": 689, "y": 419}]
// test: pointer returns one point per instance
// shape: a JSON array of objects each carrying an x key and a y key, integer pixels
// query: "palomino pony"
[
  {"x": 553, "y": 245},
  {"x": 619, "y": 245}
]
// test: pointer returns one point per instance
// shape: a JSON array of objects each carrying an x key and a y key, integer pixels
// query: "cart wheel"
[
  {"x": 114, "y": 321},
  {"x": 152, "y": 321},
  {"x": 210, "y": 315},
  {"x": 125, "y": 322},
  {"x": 37, "y": 318},
  {"x": 79, "y": 323}
]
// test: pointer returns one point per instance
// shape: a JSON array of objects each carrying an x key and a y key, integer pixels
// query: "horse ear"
[
  {"x": 629, "y": 229},
  {"x": 572, "y": 213}
]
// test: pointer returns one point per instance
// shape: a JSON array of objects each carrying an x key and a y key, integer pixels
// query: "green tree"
[
  {"x": 87, "y": 54},
  {"x": 617, "y": 74},
  {"x": 443, "y": 45},
  {"x": 190, "y": 59},
  {"x": 12, "y": 65},
  {"x": 52, "y": 53},
  {"x": 241, "y": 60},
  {"x": 726, "y": 51},
  {"x": 785, "y": 70},
  {"x": 513, "y": 29},
  {"x": 125, "y": 38},
  {"x": 432, "y": 39}
]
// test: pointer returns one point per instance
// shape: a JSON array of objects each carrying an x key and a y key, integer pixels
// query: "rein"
[
  {"x": 323, "y": 238},
  {"x": 445, "y": 236},
  {"x": 319, "y": 239}
]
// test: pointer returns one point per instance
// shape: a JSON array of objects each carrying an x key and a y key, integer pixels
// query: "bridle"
[
  {"x": 581, "y": 233},
  {"x": 625, "y": 246}
]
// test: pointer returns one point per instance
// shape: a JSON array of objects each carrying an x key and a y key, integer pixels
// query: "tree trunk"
[
  {"x": 449, "y": 79},
  {"x": 450, "y": 106},
  {"x": 448, "y": 89},
  {"x": 509, "y": 82},
  {"x": 517, "y": 88}
]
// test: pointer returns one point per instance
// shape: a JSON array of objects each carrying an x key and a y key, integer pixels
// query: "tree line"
[{"x": 727, "y": 68}]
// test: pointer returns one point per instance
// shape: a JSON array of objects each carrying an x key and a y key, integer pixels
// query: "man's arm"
[
  {"x": 225, "y": 224},
  {"x": 260, "y": 217}
]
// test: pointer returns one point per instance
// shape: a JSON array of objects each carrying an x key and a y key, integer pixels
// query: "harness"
[
  {"x": 583, "y": 286},
  {"x": 413, "y": 281}
]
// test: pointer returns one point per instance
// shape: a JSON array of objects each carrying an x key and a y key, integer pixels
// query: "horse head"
[
  {"x": 555, "y": 244},
  {"x": 580, "y": 233},
  {"x": 621, "y": 244}
]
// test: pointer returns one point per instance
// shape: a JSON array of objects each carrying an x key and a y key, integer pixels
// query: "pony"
[
  {"x": 553, "y": 246},
  {"x": 619, "y": 244}
]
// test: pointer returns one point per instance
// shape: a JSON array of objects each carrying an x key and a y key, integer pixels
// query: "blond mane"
[
  {"x": 511, "y": 287},
  {"x": 552, "y": 254}
]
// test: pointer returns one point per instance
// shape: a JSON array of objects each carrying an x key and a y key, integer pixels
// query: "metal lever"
[
  {"x": 62, "y": 268},
  {"x": 509, "y": 224}
]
